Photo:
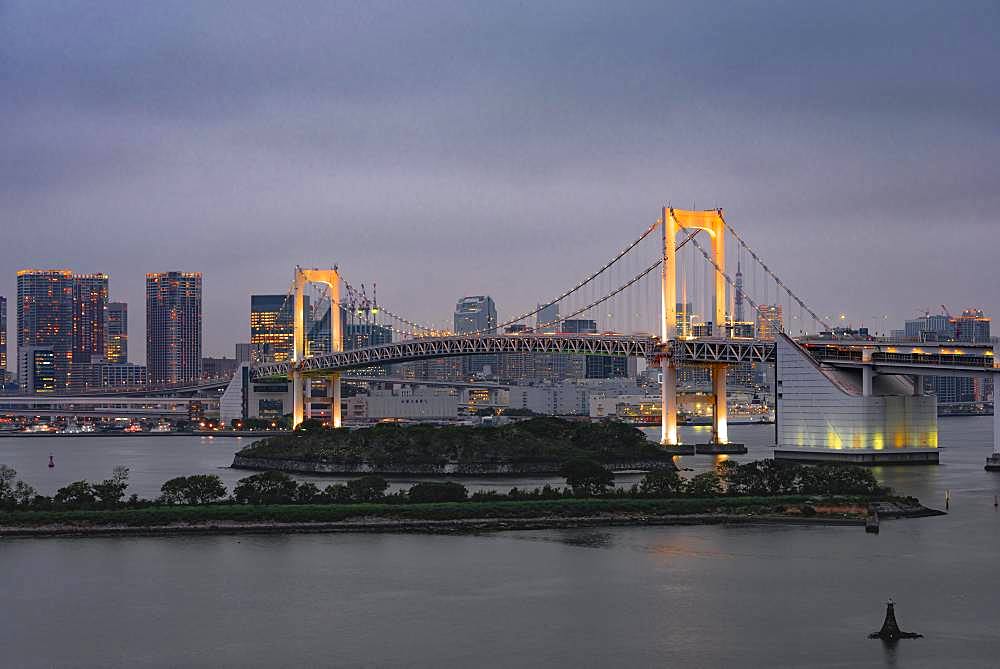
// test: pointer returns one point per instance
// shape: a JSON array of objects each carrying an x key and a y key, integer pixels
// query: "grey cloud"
[{"x": 498, "y": 147}]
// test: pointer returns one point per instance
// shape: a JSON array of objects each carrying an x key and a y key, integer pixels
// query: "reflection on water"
[
  {"x": 710, "y": 596},
  {"x": 586, "y": 538}
]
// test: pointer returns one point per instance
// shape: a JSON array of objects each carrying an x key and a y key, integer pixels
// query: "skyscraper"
[
  {"x": 972, "y": 326},
  {"x": 3, "y": 339},
  {"x": 272, "y": 326},
  {"x": 116, "y": 333},
  {"x": 476, "y": 313},
  {"x": 173, "y": 326},
  {"x": 769, "y": 321},
  {"x": 45, "y": 319},
  {"x": 90, "y": 299}
]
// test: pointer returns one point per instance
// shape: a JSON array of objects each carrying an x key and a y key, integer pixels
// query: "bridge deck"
[{"x": 701, "y": 351}]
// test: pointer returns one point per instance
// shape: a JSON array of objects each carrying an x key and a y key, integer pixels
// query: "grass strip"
[{"x": 305, "y": 513}]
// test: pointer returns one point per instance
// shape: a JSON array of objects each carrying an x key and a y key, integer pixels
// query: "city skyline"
[
  {"x": 236, "y": 152},
  {"x": 116, "y": 311}
]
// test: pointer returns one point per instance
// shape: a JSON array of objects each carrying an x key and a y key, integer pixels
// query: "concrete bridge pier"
[
  {"x": 668, "y": 402},
  {"x": 720, "y": 409},
  {"x": 298, "y": 401},
  {"x": 333, "y": 392},
  {"x": 866, "y": 381}
]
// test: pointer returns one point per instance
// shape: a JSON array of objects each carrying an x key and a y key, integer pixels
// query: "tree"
[
  {"x": 434, "y": 491},
  {"x": 7, "y": 476},
  {"x": 111, "y": 492},
  {"x": 310, "y": 426},
  {"x": 587, "y": 477},
  {"x": 306, "y": 493},
  {"x": 23, "y": 493},
  {"x": 661, "y": 483},
  {"x": 706, "y": 484},
  {"x": 196, "y": 489},
  {"x": 367, "y": 488},
  {"x": 835, "y": 479},
  {"x": 266, "y": 488},
  {"x": 76, "y": 495},
  {"x": 336, "y": 493}
]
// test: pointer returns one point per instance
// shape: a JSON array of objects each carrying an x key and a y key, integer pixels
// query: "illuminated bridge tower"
[
  {"x": 673, "y": 221},
  {"x": 331, "y": 278}
]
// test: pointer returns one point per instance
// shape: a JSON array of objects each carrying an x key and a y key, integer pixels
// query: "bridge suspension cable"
[
  {"x": 541, "y": 307},
  {"x": 607, "y": 297},
  {"x": 767, "y": 269},
  {"x": 778, "y": 326}
]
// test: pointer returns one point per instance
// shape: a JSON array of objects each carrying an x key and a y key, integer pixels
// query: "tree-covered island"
[{"x": 537, "y": 446}]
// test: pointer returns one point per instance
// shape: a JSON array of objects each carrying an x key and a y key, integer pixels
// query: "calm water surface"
[{"x": 759, "y": 596}]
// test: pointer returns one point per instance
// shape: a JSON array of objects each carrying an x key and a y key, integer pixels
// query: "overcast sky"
[{"x": 505, "y": 148}]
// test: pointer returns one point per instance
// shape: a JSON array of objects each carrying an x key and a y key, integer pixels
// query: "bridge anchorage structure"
[{"x": 688, "y": 315}]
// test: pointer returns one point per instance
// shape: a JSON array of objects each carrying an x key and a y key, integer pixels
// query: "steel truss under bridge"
[
  {"x": 728, "y": 351},
  {"x": 638, "y": 346}
]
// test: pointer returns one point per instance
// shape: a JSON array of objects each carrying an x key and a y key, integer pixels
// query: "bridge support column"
[
  {"x": 918, "y": 384},
  {"x": 298, "y": 404},
  {"x": 334, "y": 392},
  {"x": 866, "y": 381},
  {"x": 720, "y": 410},
  {"x": 668, "y": 402}
]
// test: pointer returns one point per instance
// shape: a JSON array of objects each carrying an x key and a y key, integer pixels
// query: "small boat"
[
  {"x": 993, "y": 463},
  {"x": 52, "y": 462}
]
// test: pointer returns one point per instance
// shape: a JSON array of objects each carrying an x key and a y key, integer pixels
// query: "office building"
[
  {"x": 218, "y": 368},
  {"x": 45, "y": 319},
  {"x": 272, "y": 326},
  {"x": 684, "y": 319},
  {"x": 360, "y": 335},
  {"x": 116, "y": 333},
  {"x": 547, "y": 318},
  {"x": 90, "y": 301},
  {"x": 99, "y": 373},
  {"x": 123, "y": 374},
  {"x": 930, "y": 327},
  {"x": 516, "y": 367},
  {"x": 173, "y": 326},
  {"x": 37, "y": 369},
  {"x": 973, "y": 327},
  {"x": 477, "y": 313},
  {"x": 769, "y": 321}
]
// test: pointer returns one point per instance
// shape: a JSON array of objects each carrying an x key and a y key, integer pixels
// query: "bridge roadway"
[
  {"x": 109, "y": 406},
  {"x": 916, "y": 359},
  {"x": 429, "y": 348},
  {"x": 907, "y": 358}
]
